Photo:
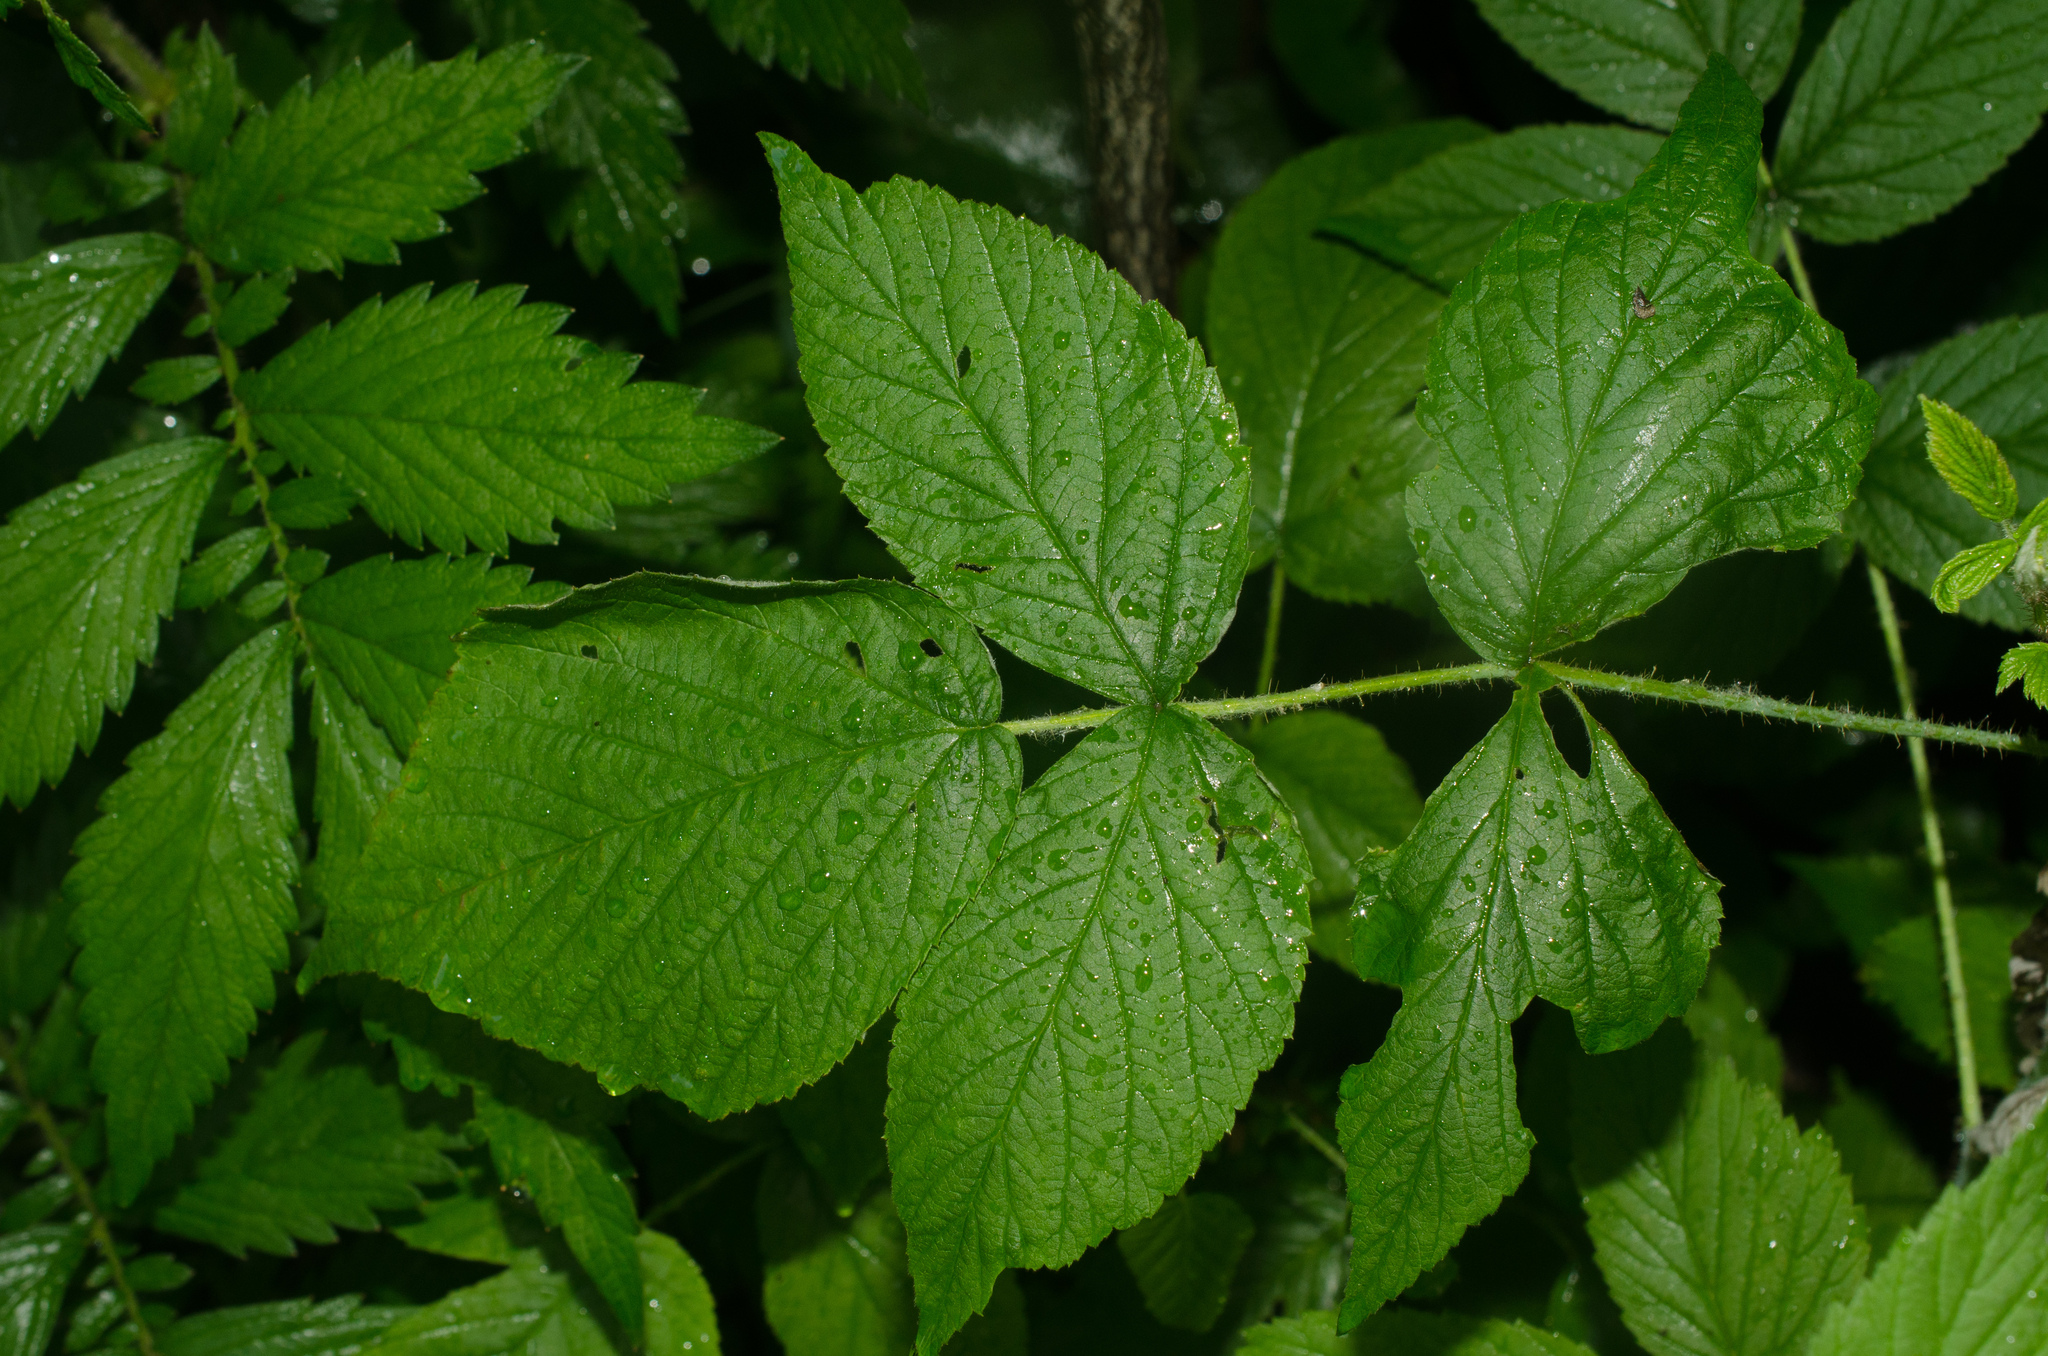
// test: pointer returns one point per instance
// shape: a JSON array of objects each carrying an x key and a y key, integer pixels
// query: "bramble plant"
[{"x": 819, "y": 854}]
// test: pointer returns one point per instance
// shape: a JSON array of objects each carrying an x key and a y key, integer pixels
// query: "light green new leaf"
[
  {"x": 1185, "y": 1256},
  {"x": 576, "y": 1174},
  {"x": 1438, "y": 219},
  {"x": 220, "y": 569},
  {"x": 1522, "y": 878},
  {"x": 1973, "y": 570},
  {"x": 2026, "y": 665},
  {"x": 202, "y": 116},
  {"x": 1322, "y": 349},
  {"x": 1641, "y": 58},
  {"x": 64, "y": 311},
  {"x": 1894, "y": 1186},
  {"x": 36, "y": 1266},
  {"x": 572, "y": 860},
  {"x": 1903, "y": 970},
  {"x": 320, "y": 1143},
  {"x": 1091, "y": 1022},
  {"x": 386, "y": 628},
  {"x": 1593, "y": 449},
  {"x": 1969, "y": 461},
  {"x": 296, "y": 1327},
  {"x": 82, "y": 64},
  {"x": 356, "y": 772},
  {"x": 465, "y": 418},
  {"x": 369, "y": 160},
  {"x": 543, "y": 1306},
  {"x": 1044, "y": 451},
  {"x": 847, "y": 42},
  {"x": 1407, "y": 1332},
  {"x": 85, "y": 572},
  {"x": 1970, "y": 1281},
  {"x": 1905, "y": 516},
  {"x": 613, "y": 122},
  {"x": 1720, "y": 1228},
  {"x": 184, "y": 892},
  {"x": 1906, "y": 107},
  {"x": 1349, "y": 794}
]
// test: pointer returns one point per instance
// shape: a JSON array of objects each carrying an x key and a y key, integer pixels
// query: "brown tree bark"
[{"x": 1123, "y": 57}]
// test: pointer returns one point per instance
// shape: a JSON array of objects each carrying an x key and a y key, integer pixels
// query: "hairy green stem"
[
  {"x": 1276, "y": 601},
  {"x": 128, "y": 54},
  {"x": 718, "y": 1173},
  {"x": 102, "y": 1235},
  {"x": 1937, "y": 861}
]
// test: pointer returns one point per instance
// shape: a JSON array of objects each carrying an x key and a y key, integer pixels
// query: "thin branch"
[
  {"x": 1315, "y": 1141},
  {"x": 1276, "y": 601},
  {"x": 723, "y": 1169}
]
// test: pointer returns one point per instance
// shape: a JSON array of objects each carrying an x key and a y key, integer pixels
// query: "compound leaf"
[
  {"x": 2026, "y": 665},
  {"x": 1093, "y": 1020},
  {"x": 1969, "y": 462},
  {"x": 36, "y": 1267},
  {"x": 1185, "y": 1256},
  {"x": 1407, "y": 1331},
  {"x": 847, "y": 42},
  {"x": 1968, "y": 1281},
  {"x": 1438, "y": 219},
  {"x": 202, "y": 116},
  {"x": 322, "y": 1142},
  {"x": 1905, "y": 516},
  {"x": 370, "y": 159},
  {"x": 1522, "y": 878},
  {"x": 85, "y": 572},
  {"x": 64, "y": 311},
  {"x": 1721, "y": 1229},
  {"x": 613, "y": 124},
  {"x": 296, "y": 1327},
  {"x": 1044, "y": 451},
  {"x": 1621, "y": 393},
  {"x": 570, "y": 861},
  {"x": 385, "y": 629},
  {"x": 464, "y": 418},
  {"x": 843, "y": 1289},
  {"x": 184, "y": 892},
  {"x": 220, "y": 569},
  {"x": 1321, "y": 349},
  {"x": 356, "y": 772},
  {"x": 1641, "y": 58},
  {"x": 1906, "y": 107}
]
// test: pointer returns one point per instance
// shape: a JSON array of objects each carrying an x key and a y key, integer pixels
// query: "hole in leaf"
[
  {"x": 590, "y": 652},
  {"x": 977, "y": 569},
  {"x": 930, "y": 647},
  {"x": 964, "y": 361},
  {"x": 853, "y": 653}
]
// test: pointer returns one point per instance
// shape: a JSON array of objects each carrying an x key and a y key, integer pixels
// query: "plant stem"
[
  {"x": 1231, "y": 708},
  {"x": 1793, "y": 259},
  {"x": 1937, "y": 861},
  {"x": 102, "y": 1235},
  {"x": 126, "y": 53},
  {"x": 718, "y": 1173},
  {"x": 1315, "y": 1140},
  {"x": 1276, "y": 600}
]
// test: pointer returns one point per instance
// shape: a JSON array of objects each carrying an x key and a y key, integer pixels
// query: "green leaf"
[
  {"x": 85, "y": 572},
  {"x": 220, "y": 569},
  {"x": 847, "y": 42},
  {"x": 1641, "y": 58},
  {"x": 297, "y": 1327},
  {"x": 368, "y": 160},
  {"x": 357, "y": 772},
  {"x": 184, "y": 890},
  {"x": 320, "y": 1143},
  {"x": 1349, "y": 794},
  {"x": 735, "y": 913},
  {"x": 386, "y": 628},
  {"x": 1044, "y": 451},
  {"x": 1967, "y": 1282},
  {"x": 1973, "y": 570},
  {"x": 843, "y": 1288},
  {"x": 1438, "y": 219},
  {"x": 101, "y": 188},
  {"x": 613, "y": 124},
  {"x": 1322, "y": 349},
  {"x": 540, "y": 1305},
  {"x": 1905, "y": 516},
  {"x": 465, "y": 418},
  {"x": 2026, "y": 665},
  {"x": 1866, "y": 894},
  {"x": 1969, "y": 461},
  {"x": 1091, "y": 1022},
  {"x": 1521, "y": 879},
  {"x": 64, "y": 311},
  {"x": 255, "y": 306},
  {"x": 1906, "y": 107},
  {"x": 1903, "y": 970},
  {"x": 1185, "y": 1256},
  {"x": 82, "y": 64},
  {"x": 1338, "y": 55},
  {"x": 576, "y": 1174},
  {"x": 202, "y": 117},
  {"x": 1595, "y": 450},
  {"x": 173, "y": 381},
  {"x": 1893, "y": 1184},
  {"x": 35, "y": 952},
  {"x": 1725, "y": 1024},
  {"x": 478, "y": 1223},
  {"x": 1721, "y": 1229},
  {"x": 36, "y": 1266},
  {"x": 1408, "y": 1332},
  {"x": 837, "y": 1122}
]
